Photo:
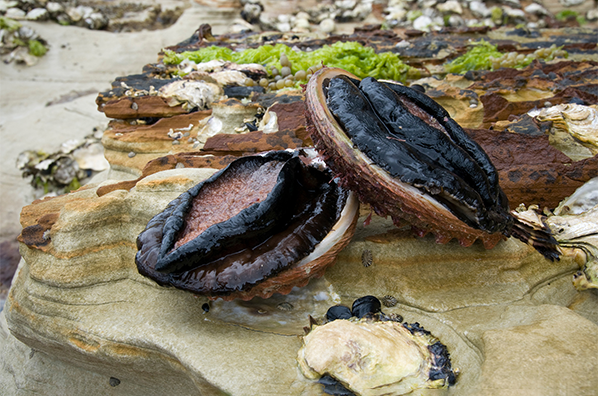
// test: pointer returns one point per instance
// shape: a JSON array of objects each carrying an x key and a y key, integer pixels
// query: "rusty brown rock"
[
  {"x": 125, "y": 137},
  {"x": 538, "y": 76},
  {"x": 531, "y": 171},
  {"x": 497, "y": 108},
  {"x": 252, "y": 142},
  {"x": 291, "y": 117},
  {"x": 139, "y": 107},
  {"x": 186, "y": 160}
]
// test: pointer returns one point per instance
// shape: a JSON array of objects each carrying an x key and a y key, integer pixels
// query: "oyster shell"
[
  {"x": 262, "y": 225},
  {"x": 574, "y": 128},
  {"x": 403, "y": 154},
  {"x": 575, "y": 226},
  {"x": 373, "y": 354},
  {"x": 191, "y": 94}
]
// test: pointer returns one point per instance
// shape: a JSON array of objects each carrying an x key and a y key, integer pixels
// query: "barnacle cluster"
[
  {"x": 21, "y": 43},
  {"x": 66, "y": 169}
]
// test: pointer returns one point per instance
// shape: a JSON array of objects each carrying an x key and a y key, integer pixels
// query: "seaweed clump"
[
  {"x": 352, "y": 56},
  {"x": 486, "y": 56}
]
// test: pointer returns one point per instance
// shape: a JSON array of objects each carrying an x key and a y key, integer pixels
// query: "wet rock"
[
  {"x": 451, "y": 6},
  {"x": 479, "y": 9},
  {"x": 84, "y": 269},
  {"x": 37, "y": 14},
  {"x": 327, "y": 26},
  {"x": 539, "y": 339}
]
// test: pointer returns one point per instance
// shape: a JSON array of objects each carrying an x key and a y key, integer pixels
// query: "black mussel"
[
  {"x": 364, "y": 306},
  {"x": 338, "y": 312}
]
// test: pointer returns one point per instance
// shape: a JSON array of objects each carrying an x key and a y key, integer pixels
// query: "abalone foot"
[{"x": 300, "y": 274}]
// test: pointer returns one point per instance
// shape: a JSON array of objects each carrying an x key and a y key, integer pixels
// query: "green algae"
[
  {"x": 351, "y": 56},
  {"x": 485, "y": 56},
  {"x": 9, "y": 24},
  {"x": 479, "y": 57},
  {"x": 36, "y": 48}
]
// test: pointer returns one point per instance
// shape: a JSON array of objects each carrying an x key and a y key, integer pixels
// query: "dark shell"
[
  {"x": 402, "y": 153},
  {"x": 248, "y": 253},
  {"x": 338, "y": 312},
  {"x": 366, "y": 305}
]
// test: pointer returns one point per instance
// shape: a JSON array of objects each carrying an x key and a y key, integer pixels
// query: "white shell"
[
  {"x": 371, "y": 358},
  {"x": 573, "y": 124}
]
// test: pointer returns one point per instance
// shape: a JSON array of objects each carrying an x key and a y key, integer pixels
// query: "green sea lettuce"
[
  {"x": 479, "y": 57},
  {"x": 351, "y": 56}
]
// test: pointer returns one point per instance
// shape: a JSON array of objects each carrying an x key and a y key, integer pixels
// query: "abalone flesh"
[
  {"x": 402, "y": 153},
  {"x": 264, "y": 224}
]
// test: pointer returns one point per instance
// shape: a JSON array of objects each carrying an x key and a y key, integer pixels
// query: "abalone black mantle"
[
  {"x": 443, "y": 163},
  {"x": 414, "y": 140},
  {"x": 257, "y": 243}
]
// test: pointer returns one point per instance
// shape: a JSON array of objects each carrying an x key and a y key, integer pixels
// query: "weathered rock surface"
[{"x": 512, "y": 321}]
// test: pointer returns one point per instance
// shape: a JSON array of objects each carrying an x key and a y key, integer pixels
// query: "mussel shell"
[
  {"x": 387, "y": 195},
  {"x": 338, "y": 312},
  {"x": 270, "y": 246},
  {"x": 366, "y": 305}
]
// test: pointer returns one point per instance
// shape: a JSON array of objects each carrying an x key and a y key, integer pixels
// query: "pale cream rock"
[
  {"x": 552, "y": 343},
  {"x": 510, "y": 319},
  {"x": 228, "y": 116}
]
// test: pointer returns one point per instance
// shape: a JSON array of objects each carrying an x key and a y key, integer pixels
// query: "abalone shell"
[
  {"x": 402, "y": 153},
  {"x": 235, "y": 234}
]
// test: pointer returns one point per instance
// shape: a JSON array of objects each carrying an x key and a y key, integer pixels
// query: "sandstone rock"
[
  {"x": 79, "y": 304},
  {"x": 543, "y": 352}
]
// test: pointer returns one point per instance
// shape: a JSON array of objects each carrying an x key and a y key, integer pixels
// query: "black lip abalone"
[
  {"x": 402, "y": 153},
  {"x": 264, "y": 224}
]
